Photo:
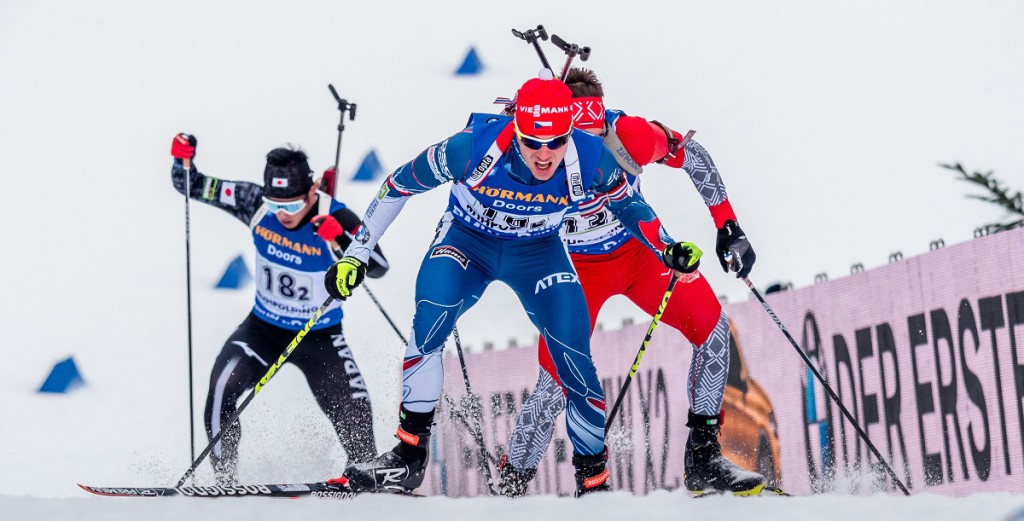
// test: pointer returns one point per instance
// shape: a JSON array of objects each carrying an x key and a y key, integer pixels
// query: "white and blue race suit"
[{"x": 503, "y": 224}]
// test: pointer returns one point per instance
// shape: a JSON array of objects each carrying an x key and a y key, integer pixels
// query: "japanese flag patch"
[{"x": 227, "y": 193}]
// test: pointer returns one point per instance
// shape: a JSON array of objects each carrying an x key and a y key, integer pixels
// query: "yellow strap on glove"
[
  {"x": 682, "y": 256},
  {"x": 344, "y": 276}
]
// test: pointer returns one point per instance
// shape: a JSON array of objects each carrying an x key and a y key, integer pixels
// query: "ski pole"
[
  {"x": 531, "y": 36},
  {"x": 571, "y": 51},
  {"x": 643, "y": 348},
  {"x": 187, "y": 163},
  {"x": 259, "y": 386},
  {"x": 385, "y": 313},
  {"x": 343, "y": 106},
  {"x": 478, "y": 433},
  {"x": 456, "y": 412},
  {"x": 831, "y": 393}
]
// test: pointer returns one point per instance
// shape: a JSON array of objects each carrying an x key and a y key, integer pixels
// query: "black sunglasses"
[{"x": 534, "y": 143}]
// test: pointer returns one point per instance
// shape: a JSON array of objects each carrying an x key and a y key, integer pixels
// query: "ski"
[
  {"x": 322, "y": 490},
  {"x": 763, "y": 491}
]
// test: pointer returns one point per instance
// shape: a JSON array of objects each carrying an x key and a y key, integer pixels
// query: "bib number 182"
[{"x": 286, "y": 284}]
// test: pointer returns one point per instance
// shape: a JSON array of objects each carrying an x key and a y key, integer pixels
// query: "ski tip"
[
  {"x": 94, "y": 490},
  {"x": 88, "y": 489}
]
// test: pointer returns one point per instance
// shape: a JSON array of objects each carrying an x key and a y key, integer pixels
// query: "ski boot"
[
  {"x": 512, "y": 482},
  {"x": 591, "y": 474},
  {"x": 706, "y": 471},
  {"x": 401, "y": 469}
]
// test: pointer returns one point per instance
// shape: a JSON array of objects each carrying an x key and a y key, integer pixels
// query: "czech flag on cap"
[{"x": 544, "y": 107}]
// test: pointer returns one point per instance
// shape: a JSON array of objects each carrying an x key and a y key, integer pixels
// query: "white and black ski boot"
[
  {"x": 591, "y": 473},
  {"x": 706, "y": 471},
  {"x": 402, "y": 469},
  {"x": 512, "y": 482}
]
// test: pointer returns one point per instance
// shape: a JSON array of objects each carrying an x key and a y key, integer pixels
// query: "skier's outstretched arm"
[
  {"x": 238, "y": 198},
  {"x": 732, "y": 247},
  {"x": 653, "y": 141}
]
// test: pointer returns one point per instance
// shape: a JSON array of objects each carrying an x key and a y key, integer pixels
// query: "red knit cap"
[{"x": 544, "y": 107}]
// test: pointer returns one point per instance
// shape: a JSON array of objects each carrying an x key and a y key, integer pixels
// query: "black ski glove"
[
  {"x": 682, "y": 256},
  {"x": 733, "y": 249}
]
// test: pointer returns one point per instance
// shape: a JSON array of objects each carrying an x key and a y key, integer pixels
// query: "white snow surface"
[
  {"x": 616, "y": 505},
  {"x": 827, "y": 120}
]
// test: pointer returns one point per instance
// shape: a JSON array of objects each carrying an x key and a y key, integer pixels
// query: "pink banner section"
[{"x": 924, "y": 354}]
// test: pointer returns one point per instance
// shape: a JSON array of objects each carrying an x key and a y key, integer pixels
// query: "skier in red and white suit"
[{"x": 600, "y": 247}]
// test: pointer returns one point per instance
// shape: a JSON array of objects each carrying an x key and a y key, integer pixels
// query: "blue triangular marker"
[
  {"x": 471, "y": 65},
  {"x": 63, "y": 377},
  {"x": 369, "y": 169},
  {"x": 235, "y": 276}
]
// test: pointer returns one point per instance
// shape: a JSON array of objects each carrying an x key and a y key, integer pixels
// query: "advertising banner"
[{"x": 925, "y": 354}]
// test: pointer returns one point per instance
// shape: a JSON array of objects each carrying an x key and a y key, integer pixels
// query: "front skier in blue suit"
[{"x": 513, "y": 180}]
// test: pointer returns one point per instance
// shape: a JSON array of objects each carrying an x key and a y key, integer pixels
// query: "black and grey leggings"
[{"x": 328, "y": 365}]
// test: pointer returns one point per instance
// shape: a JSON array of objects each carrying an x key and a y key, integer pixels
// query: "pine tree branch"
[{"x": 1013, "y": 204}]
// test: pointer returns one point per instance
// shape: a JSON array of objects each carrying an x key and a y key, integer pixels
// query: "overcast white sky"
[{"x": 826, "y": 118}]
